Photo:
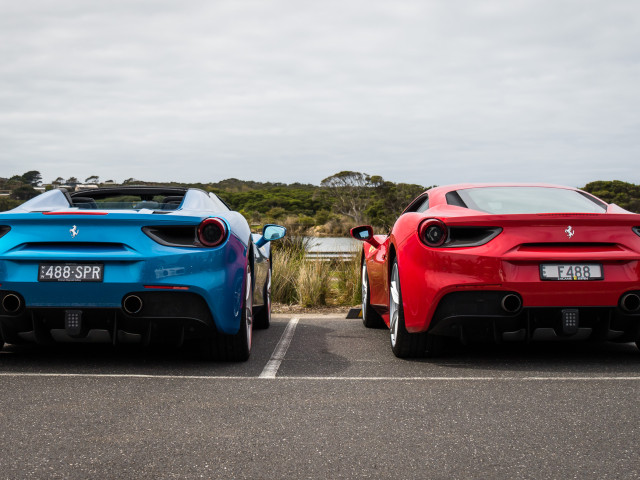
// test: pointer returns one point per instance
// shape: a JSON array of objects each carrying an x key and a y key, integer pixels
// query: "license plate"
[
  {"x": 571, "y": 271},
  {"x": 70, "y": 272}
]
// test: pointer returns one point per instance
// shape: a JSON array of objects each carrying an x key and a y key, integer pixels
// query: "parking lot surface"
[{"x": 321, "y": 397}]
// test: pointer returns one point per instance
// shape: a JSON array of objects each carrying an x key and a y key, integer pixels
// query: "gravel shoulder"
[{"x": 282, "y": 308}]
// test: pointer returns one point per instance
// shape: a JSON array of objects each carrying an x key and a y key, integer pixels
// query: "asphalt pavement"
[{"x": 321, "y": 397}]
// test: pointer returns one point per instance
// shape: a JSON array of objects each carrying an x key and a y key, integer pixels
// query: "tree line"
[{"x": 341, "y": 201}]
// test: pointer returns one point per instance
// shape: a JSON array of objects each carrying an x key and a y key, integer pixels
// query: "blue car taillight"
[
  {"x": 4, "y": 229},
  {"x": 212, "y": 232}
]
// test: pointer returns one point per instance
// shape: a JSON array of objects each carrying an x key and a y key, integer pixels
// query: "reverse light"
[
  {"x": 635, "y": 229},
  {"x": 433, "y": 232},
  {"x": 212, "y": 232}
]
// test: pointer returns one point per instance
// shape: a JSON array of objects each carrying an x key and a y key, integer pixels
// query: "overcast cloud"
[{"x": 429, "y": 92}]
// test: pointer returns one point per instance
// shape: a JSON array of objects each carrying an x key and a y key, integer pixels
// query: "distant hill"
[{"x": 340, "y": 202}]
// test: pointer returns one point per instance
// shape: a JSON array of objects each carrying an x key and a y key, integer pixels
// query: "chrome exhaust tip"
[
  {"x": 511, "y": 303},
  {"x": 11, "y": 303},
  {"x": 132, "y": 304},
  {"x": 630, "y": 302}
]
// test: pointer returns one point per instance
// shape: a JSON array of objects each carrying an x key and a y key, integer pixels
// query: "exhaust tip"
[
  {"x": 630, "y": 302},
  {"x": 511, "y": 303},
  {"x": 132, "y": 304},
  {"x": 11, "y": 303}
]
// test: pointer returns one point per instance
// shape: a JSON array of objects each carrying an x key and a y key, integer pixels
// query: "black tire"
[
  {"x": 262, "y": 318},
  {"x": 403, "y": 343},
  {"x": 234, "y": 348},
  {"x": 370, "y": 318}
]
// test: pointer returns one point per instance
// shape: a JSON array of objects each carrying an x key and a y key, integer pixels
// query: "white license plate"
[
  {"x": 70, "y": 272},
  {"x": 571, "y": 271}
]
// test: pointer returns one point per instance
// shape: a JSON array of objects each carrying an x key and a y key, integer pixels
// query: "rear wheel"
[
  {"x": 370, "y": 318},
  {"x": 262, "y": 318},
  {"x": 235, "y": 348},
  {"x": 403, "y": 343}
]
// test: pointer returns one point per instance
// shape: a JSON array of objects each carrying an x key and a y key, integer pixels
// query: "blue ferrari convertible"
[{"x": 134, "y": 265}]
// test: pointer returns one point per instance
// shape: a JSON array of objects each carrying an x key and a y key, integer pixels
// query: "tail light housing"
[
  {"x": 433, "y": 232},
  {"x": 463, "y": 236},
  {"x": 212, "y": 232}
]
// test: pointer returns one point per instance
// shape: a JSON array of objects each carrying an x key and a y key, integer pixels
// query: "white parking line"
[
  {"x": 271, "y": 368},
  {"x": 315, "y": 379},
  {"x": 468, "y": 379}
]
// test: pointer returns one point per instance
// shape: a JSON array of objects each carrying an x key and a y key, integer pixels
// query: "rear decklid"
[
  {"x": 561, "y": 235},
  {"x": 82, "y": 235}
]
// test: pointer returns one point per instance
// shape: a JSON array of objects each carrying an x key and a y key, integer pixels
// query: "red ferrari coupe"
[{"x": 515, "y": 262}]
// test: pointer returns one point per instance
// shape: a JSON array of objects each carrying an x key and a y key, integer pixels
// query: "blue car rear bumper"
[{"x": 183, "y": 275}]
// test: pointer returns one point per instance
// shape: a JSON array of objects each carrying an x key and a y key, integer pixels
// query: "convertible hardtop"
[
  {"x": 147, "y": 193},
  {"x": 139, "y": 199},
  {"x": 134, "y": 197}
]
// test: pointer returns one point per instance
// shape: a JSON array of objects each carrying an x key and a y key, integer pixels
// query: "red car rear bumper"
[{"x": 427, "y": 276}]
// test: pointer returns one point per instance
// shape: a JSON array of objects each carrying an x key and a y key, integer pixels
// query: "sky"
[{"x": 427, "y": 92}]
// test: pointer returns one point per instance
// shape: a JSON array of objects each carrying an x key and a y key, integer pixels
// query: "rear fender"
[{"x": 226, "y": 302}]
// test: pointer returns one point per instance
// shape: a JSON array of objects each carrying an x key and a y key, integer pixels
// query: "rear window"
[
  {"x": 515, "y": 200},
  {"x": 129, "y": 202}
]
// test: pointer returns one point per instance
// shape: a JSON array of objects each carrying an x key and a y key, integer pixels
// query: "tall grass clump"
[
  {"x": 347, "y": 280},
  {"x": 313, "y": 283},
  {"x": 288, "y": 258}
]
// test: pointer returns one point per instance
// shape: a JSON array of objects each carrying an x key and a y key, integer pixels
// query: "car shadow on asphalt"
[
  {"x": 103, "y": 359},
  {"x": 542, "y": 358}
]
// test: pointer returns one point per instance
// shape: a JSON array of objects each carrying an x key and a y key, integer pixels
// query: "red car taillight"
[
  {"x": 433, "y": 232},
  {"x": 212, "y": 232}
]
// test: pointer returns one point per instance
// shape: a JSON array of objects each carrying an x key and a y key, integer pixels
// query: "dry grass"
[
  {"x": 288, "y": 257},
  {"x": 312, "y": 283},
  {"x": 347, "y": 281}
]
